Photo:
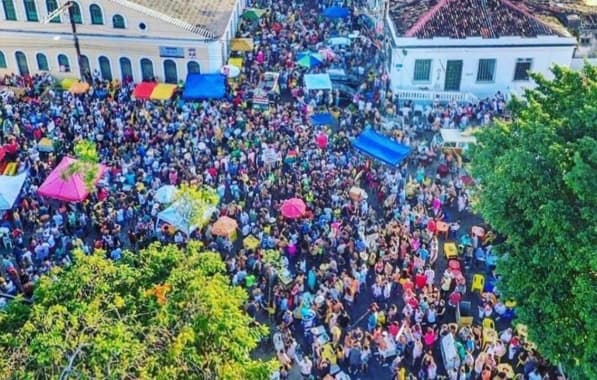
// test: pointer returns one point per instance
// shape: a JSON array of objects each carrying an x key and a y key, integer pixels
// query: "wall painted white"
[
  {"x": 52, "y": 39},
  {"x": 544, "y": 52}
]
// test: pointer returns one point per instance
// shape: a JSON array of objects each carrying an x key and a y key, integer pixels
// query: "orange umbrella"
[
  {"x": 224, "y": 226},
  {"x": 79, "y": 88}
]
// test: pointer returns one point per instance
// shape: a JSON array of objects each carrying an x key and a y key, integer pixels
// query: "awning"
[
  {"x": 236, "y": 61},
  {"x": 381, "y": 147},
  {"x": 163, "y": 91},
  {"x": 324, "y": 118},
  {"x": 318, "y": 82},
  {"x": 10, "y": 188},
  {"x": 143, "y": 90},
  {"x": 204, "y": 86},
  {"x": 241, "y": 44}
]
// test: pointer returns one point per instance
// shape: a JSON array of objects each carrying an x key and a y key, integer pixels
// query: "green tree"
[
  {"x": 538, "y": 187},
  {"x": 194, "y": 204},
  {"x": 87, "y": 164},
  {"x": 163, "y": 313}
]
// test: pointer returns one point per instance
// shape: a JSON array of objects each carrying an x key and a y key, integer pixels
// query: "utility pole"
[{"x": 69, "y": 6}]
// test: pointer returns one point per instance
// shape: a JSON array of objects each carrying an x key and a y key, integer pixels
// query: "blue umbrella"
[
  {"x": 336, "y": 12},
  {"x": 309, "y": 59}
]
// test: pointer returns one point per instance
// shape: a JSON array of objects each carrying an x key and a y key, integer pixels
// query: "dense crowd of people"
[
  {"x": 359, "y": 285},
  {"x": 467, "y": 18}
]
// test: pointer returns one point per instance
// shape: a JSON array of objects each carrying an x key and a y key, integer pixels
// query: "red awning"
[{"x": 143, "y": 90}]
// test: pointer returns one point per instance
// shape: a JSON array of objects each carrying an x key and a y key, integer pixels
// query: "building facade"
[
  {"x": 474, "y": 46},
  {"x": 141, "y": 39}
]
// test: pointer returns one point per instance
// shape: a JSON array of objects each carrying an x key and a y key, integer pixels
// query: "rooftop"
[
  {"x": 207, "y": 18},
  {"x": 465, "y": 18}
]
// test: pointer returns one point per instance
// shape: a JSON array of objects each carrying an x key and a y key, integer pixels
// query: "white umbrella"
[
  {"x": 165, "y": 194},
  {"x": 230, "y": 71}
]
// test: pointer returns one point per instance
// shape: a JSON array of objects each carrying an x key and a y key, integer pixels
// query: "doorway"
[{"x": 453, "y": 75}]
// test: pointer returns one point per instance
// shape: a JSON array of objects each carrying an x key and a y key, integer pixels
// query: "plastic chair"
[
  {"x": 488, "y": 323},
  {"x": 478, "y": 283},
  {"x": 489, "y": 337}
]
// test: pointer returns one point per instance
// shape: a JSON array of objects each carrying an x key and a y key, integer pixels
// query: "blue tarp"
[
  {"x": 381, "y": 147},
  {"x": 323, "y": 119},
  {"x": 336, "y": 12},
  {"x": 204, "y": 86}
]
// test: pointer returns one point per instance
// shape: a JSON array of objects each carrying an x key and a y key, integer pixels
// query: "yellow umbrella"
[
  {"x": 66, "y": 83},
  {"x": 250, "y": 242},
  {"x": 79, "y": 88},
  {"x": 45, "y": 145},
  {"x": 225, "y": 226},
  {"x": 241, "y": 44},
  {"x": 236, "y": 61}
]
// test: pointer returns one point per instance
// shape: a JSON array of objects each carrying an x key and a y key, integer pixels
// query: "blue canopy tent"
[
  {"x": 381, "y": 147},
  {"x": 204, "y": 86},
  {"x": 324, "y": 118},
  {"x": 336, "y": 12},
  {"x": 318, "y": 82}
]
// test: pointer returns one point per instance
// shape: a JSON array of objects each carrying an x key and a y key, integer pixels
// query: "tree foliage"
[
  {"x": 163, "y": 313},
  {"x": 538, "y": 187},
  {"x": 86, "y": 165},
  {"x": 195, "y": 205}
]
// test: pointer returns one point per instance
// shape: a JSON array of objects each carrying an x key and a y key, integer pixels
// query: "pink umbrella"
[
  {"x": 322, "y": 140},
  {"x": 293, "y": 208}
]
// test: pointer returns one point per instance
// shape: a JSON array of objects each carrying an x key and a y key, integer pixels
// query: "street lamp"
[{"x": 69, "y": 6}]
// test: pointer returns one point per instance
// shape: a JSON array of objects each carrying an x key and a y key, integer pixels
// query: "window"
[
  {"x": 75, "y": 10},
  {"x": 523, "y": 66},
  {"x": 170, "y": 73},
  {"x": 193, "y": 67},
  {"x": 147, "y": 70},
  {"x": 118, "y": 22},
  {"x": 85, "y": 67},
  {"x": 30, "y": 10},
  {"x": 51, "y": 6},
  {"x": 42, "y": 62},
  {"x": 97, "y": 18},
  {"x": 63, "y": 64},
  {"x": 22, "y": 63},
  {"x": 422, "y": 70},
  {"x": 105, "y": 68},
  {"x": 142, "y": 26},
  {"x": 9, "y": 10},
  {"x": 2, "y": 61},
  {"x": 126, "y": 68},
  {"x": 486, "y": 71}
]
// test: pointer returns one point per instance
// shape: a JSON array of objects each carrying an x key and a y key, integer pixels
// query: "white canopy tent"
[
  {"x": 318, "y": 82},
  {"x": 10, "y": 188},
  {"x": 177, "y": 216}
]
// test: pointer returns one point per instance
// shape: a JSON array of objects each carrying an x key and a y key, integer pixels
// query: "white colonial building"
[
  {"x": 471, "y": 46},
  {"x": 141, "y": 39}
]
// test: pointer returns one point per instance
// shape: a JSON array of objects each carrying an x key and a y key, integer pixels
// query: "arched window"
[
  {"x": 51, "y": 6},
  {"x": 118, "y": 22},
  {"x": 170, "y": 73},
  {"x": 63, "y": 63},
  {"x": 147, "y": 70},
  {"x": 76, "y": 11},
  {"x": 22, "y": 63},
  {"x": 193, "y": 67},
  {"x": 126, "y": 68},
  {"x": 85, "y": 67},
  {"x": 30, "y": 10},
  {"x": 9, "y": 10},
  {"x": 105, "y": 68},
  {"x": 42, "y": 62},
  {"x": 2, "y": 61},
  {"x": 97, "y": 18}
]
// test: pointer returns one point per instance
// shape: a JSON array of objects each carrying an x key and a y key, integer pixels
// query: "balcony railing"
[{"x": 441, "y": 96}]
